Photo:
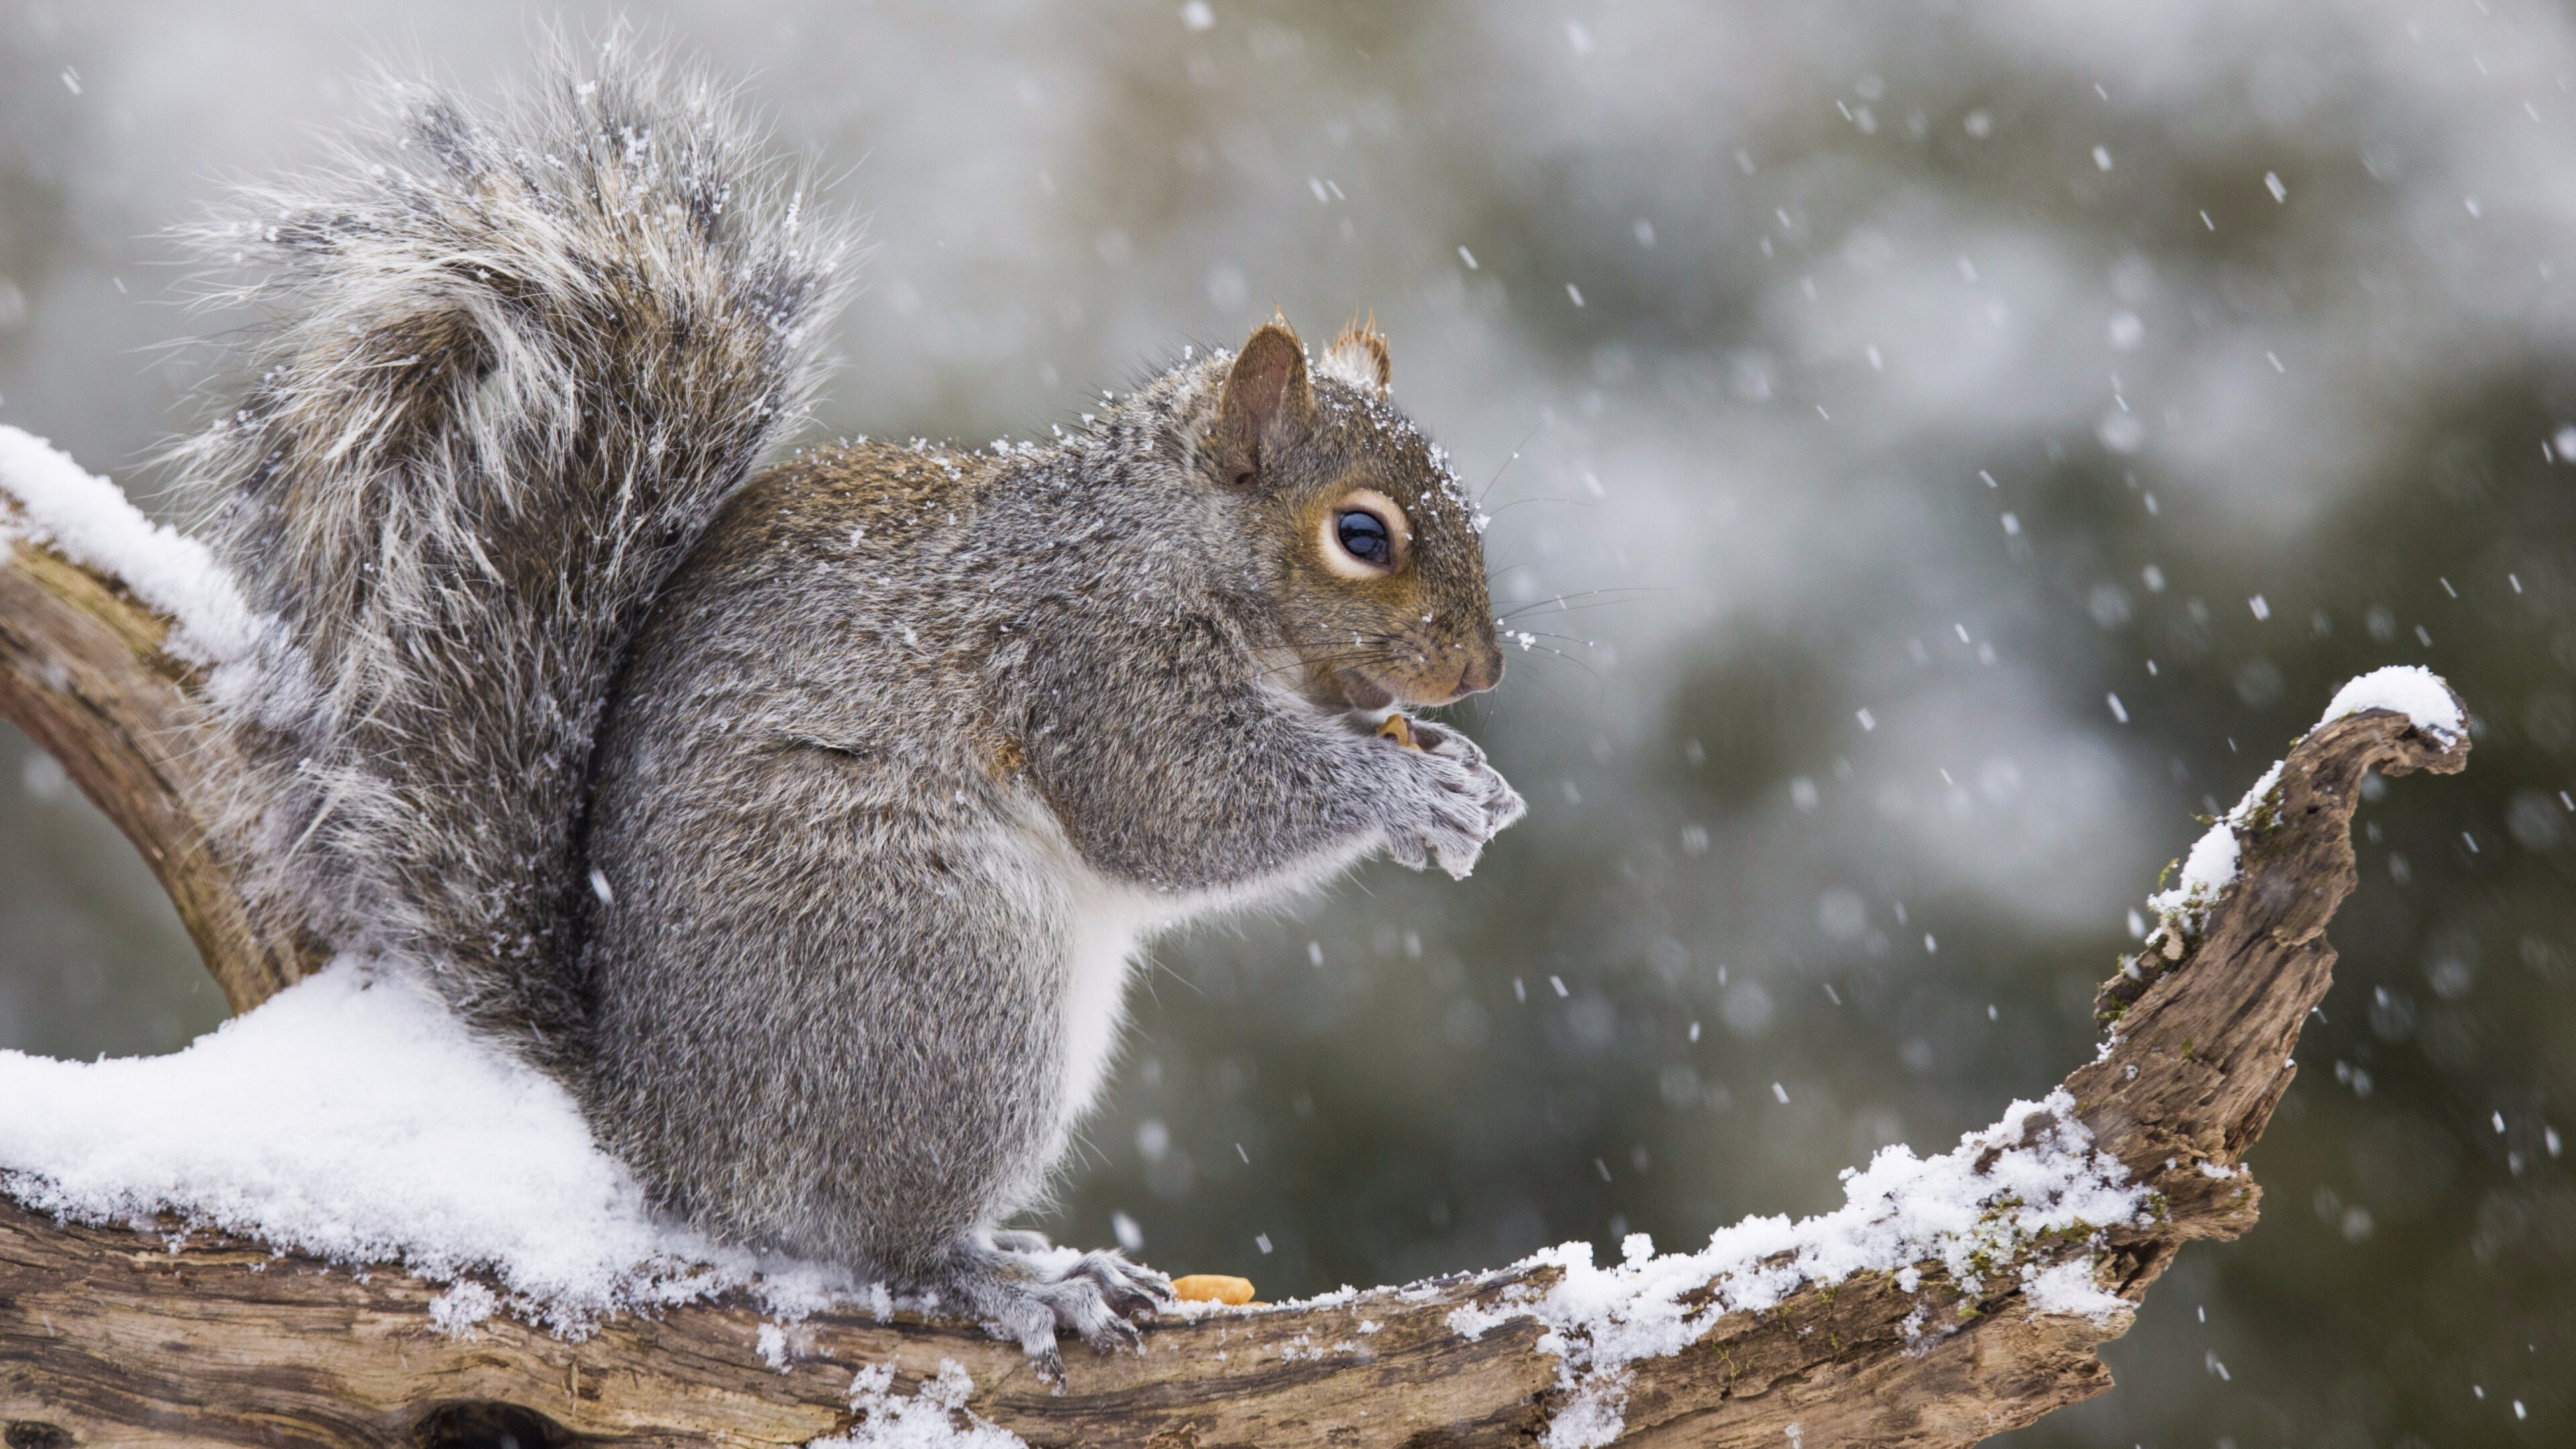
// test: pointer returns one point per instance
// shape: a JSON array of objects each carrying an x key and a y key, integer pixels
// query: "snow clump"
[
  {"x": 352, "y": 1117},
  {"x": 90, "y": 521},
  {"x": 2411, "y": 690},
  {"x": 927, "y": 1420},
  {"x": 2210, "y": 868}
]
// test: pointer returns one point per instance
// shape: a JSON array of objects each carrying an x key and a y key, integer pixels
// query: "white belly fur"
[
  {"x": 1108, "y": 927},
  {"x": 1109, "y": 922}
]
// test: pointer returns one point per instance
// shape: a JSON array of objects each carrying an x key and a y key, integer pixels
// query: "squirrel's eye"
[{"x": 1364, "y": 537}]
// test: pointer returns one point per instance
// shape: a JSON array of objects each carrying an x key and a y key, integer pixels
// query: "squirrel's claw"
[
  {"x": 1100, "y": 1297},
  {"x": 1450, "y": 802},
  {"x": 1129, "y": 1291}
]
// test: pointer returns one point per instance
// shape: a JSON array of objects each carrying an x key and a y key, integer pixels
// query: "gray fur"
[
  {"x": 915, "y": 748},
  {"x": 518, "y": 363}
]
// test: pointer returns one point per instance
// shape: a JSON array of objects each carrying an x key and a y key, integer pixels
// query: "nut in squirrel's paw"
[
  {"x": 1212, "y": 1288},
  {"x": 1399, "y": 729}
]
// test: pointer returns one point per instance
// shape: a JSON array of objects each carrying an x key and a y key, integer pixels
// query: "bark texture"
[{"x": 145, "y": 1335}]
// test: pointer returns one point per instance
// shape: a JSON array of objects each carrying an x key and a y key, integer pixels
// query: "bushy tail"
[{"x": 518, "y": 360}]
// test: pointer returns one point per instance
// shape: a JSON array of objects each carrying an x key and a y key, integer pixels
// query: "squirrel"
[{"x": 804, "y": 819}]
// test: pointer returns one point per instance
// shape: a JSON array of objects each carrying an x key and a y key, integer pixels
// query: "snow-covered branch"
[
  {"x": 340, "y": 1220},
  {"x": 111, "y": 628}
]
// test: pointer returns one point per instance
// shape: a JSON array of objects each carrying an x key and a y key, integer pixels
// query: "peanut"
[{"x": 1212, "y": 1288}]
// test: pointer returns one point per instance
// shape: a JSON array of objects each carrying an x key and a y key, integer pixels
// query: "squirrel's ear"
[
  {"x": 1268, "y": 401},
  {"x": 1359, "y": 356}
]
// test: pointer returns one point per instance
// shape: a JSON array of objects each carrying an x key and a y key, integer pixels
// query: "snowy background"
[{"x": 1969, "y": 439}]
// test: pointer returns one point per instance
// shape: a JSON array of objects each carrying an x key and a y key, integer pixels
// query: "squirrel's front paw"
[
  {"x": 1027, "y": 1292},
  {"x": 1451, "y": 802}
]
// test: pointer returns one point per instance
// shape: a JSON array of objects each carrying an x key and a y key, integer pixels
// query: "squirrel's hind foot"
[{"x": 1027, "y": 1292}]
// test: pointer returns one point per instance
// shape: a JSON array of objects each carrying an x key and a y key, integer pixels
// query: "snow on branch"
[
  {"x": 362, "y": 1227},
  {"x": 89, "y": 521}
]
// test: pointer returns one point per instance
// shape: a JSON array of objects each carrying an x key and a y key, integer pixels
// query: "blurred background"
[{"x": 1940, "y": 448}]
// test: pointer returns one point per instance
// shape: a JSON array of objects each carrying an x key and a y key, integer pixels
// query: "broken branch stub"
[
  {"x": 2201, "y": 1048},
  {"x": 175, "y": 1336}
]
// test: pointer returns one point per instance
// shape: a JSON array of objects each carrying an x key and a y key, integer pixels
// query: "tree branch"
[
  {"x": 110, "y": 1335},
  {"x": 83, "y": 671}
]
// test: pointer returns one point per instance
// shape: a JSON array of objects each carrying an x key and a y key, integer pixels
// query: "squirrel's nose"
[{"x": 1482, "y": 671}]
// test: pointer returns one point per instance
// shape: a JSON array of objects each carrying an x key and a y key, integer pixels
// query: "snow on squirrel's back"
[{"x": 351, "y": 1117}]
